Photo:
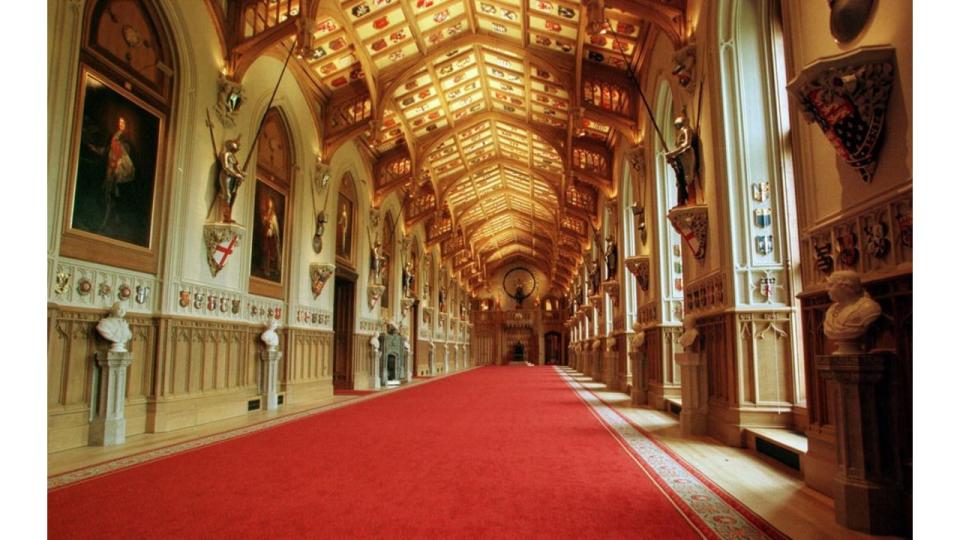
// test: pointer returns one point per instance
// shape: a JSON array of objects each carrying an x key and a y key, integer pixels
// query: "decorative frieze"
[
  {"x": 878, "y": 238},
  {"x": 370, "y": 326},
  {"x": 647, "y": 314},
  {"x": 704, "y": 294},
  {"x": 202, "y": 301},
  {"x": 90, "y": 285},
  {"x": 311, "y": 317}
]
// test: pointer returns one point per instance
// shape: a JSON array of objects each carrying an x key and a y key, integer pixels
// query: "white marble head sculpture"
[
  {"x": 269, "y": 337},
  {"x": 851, "y": 314},
  {"x": 115, "y": 329}
]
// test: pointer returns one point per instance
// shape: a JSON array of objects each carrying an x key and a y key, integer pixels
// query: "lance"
[{"x": 276, "y": 87}]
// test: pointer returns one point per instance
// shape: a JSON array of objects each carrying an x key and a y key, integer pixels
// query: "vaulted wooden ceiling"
[{"x": 496, "y": 118}]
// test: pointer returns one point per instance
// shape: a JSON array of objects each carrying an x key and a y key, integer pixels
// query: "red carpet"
[{"x": 494, "y": 452}]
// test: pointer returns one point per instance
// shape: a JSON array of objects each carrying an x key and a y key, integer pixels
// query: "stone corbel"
[
  {"x": 847, "y": 95},
  {"x": 221, "y": 241},
  {"x": 374, "y": 293},
  {"x": 319, "y": 275},
  {"x": 612, "y": 288},
  {"x": 690, "y": 222},
  {"x": 639, "y": 266}
]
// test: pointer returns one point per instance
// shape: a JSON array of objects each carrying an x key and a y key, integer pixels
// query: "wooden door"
[
  {"x": 343, "y": 300},
  {"x": 415, "y": 336},
  {"x": 551, "y": 343}
]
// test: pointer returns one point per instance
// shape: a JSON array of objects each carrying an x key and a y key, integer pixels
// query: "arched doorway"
[{"x": 553, "y": 349}]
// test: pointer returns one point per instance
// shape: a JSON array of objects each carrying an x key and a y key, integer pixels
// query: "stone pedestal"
[
  {"x": 408, "y": 368},
  {"x": 270, "y": 361},
  {"x": 693, "y": 393},
  {"x": 867, "y": 494},
  {"x": 109, "y": 427}
]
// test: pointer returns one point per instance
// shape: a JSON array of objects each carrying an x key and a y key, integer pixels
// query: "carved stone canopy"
[
  {"x": 847, "y": 95},
  {"x": 690, "y": 222}
]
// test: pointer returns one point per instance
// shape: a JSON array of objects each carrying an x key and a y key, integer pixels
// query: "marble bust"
[
  {"x": 688, "y": 338},
  {"x": 852, "y": 312},
  {"x": 639, "y": 336},
  {"x": 115, "y": 329},
  {"x": 269, "y": 336}
]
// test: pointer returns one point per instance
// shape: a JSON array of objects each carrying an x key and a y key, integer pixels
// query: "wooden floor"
[{"x": 772, "y": 490}]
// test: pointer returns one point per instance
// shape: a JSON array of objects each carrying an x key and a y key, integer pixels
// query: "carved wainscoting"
[
  {"x": 614, "y": 364},
  {"x": 207, "y": 370},
  {"x": 71, "y": 344},
  {"x": 425, "y": 361},
  {"x": 309, "y": 374},
  {"x": 663, "y": 372},
  {"x": 750, "y": 374},
  {"x": 892, "y": 332},
  {"x": 363, "y": 368}
]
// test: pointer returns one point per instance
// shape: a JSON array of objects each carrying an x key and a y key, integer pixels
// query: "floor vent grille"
[{"x": 787, "y": 457}]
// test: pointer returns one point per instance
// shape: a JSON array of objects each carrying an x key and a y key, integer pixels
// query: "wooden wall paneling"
[
  {"x": 362, "y": 363},
  {"x": 209, "y": 370},
  {"x": 70, "y": 350},
  {"x": 309, "y": 375},
  {"x": 72, "y": 343},
  {"x": 720, "y": 364}
]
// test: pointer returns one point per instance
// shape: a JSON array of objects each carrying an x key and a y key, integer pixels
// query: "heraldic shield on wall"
[{"x": 847, "y": 97}]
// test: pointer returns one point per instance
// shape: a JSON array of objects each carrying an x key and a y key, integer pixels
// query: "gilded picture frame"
[{"x": 112, "y": 208}]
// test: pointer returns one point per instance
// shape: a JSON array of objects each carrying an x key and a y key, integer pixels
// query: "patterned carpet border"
[
  {"x": 710, "y": 509},
  {"x": 107, "y": 467}
]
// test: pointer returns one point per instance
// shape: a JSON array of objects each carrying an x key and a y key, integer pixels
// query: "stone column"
[
  {"x": 867, "y": 492},
  {"x": 270, "y": 360},
  {"x": 693, "y": 393},
  {"x": 110, "y": 427}
]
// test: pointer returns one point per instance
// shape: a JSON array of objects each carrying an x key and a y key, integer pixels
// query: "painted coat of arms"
[{"x": 847, "y": 97}]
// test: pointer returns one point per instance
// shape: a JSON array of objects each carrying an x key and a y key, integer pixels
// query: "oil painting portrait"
[{"x": 116, "y": 166}]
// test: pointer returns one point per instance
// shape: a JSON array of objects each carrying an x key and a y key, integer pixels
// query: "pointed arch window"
[
  {"x": 628, "y": 241},
  {"x": 670, "y": 250}
]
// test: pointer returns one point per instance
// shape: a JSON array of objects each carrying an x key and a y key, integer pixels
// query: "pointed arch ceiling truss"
[{"x": 498, "y": 117}]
